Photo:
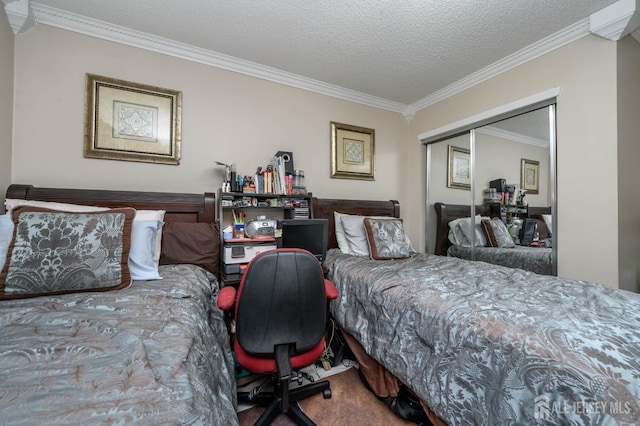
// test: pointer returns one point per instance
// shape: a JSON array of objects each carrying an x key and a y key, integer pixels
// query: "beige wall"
[
  {"x": 234, "y": 118},
  {"x": 628, "y": 159},
  {"x": 6, "y": 102},
  {"x": 226, "y": 116},
  {"x": 585, "y": 72}
]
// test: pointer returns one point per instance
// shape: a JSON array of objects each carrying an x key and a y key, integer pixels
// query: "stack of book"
[{"x": 273, "y": 180}]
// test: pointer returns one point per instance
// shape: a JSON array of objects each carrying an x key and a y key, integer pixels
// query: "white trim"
[
  {"x": 19, "y": 15},
  {"x": 100, "y": 29},
  {"x": 520, "y": 57},
  {"x": 615, "y": 21},
  {"x": 512, "y": 136},
  {"x": 95, "y": 28},
  {"x": 503, "y": 109}
]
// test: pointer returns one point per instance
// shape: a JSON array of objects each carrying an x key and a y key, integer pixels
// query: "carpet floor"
[{"x": 351, "y": 403}]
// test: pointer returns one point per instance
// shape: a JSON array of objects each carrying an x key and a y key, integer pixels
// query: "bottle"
[{"x": 298, "y": 182}]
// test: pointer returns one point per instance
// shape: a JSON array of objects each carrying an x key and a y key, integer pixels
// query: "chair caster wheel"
[{"x": 326, "y": 394}]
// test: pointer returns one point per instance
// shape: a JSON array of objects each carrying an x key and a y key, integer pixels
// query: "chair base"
[{"x": 273, "y": 402}]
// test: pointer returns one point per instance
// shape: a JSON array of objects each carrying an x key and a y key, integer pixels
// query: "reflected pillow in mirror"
[
  {"x": 548, "y": 220},
  {"x": 497, "y": 233},
  {"x": 460, "y": 231}
]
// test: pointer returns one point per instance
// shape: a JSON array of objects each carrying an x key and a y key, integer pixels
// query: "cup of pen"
[{"x": 239, "y": 230}]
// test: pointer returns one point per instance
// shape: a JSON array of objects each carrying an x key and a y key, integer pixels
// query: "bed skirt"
[{"x": 379, "y": 379}]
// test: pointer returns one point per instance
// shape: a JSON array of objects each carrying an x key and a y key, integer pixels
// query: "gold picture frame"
[
  {"x": 131, "y": 121},
  {"x": 530, "y": 176},
  {"x": 458, "y": 168},
  {"x": 352, "y": 152}
]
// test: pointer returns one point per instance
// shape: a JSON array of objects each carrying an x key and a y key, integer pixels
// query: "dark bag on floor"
[
  {"x": 408, "y": 407},
  {"x": 405, "y": 405}
]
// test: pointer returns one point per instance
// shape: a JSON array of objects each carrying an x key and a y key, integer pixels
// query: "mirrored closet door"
[{"x": 502, "y": 173}]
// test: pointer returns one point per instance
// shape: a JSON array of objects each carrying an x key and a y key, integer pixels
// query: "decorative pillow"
[
  {"x": 54, "y": 252},
  {"x": 141, "y": 256},
  {"x": 6, "y": 233},
  {"x": 195, "y": 243},
  {"x": 356, "y": 234},
  {"x": 386, "y": 239},
  {"x": 141, "y": 215},
  {"x": 497, "y": 233}
]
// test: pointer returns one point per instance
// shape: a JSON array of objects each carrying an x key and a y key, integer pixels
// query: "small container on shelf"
[
  {"x": 298, "y": 183},
  {"x": 227, "y": 233},
  {"x": 239, "y": 230}
]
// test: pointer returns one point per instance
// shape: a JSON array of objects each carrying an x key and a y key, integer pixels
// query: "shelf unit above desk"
[{"x": 273, "y": 206}]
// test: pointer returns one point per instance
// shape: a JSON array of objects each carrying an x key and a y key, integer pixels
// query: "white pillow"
[
  {"x": 141, "y": 215},
  {"x": 548, "y": 220},
  {"x": 154, "y": 215},
  {"x": 455, "y": 234},
  {"x": 460, "y": 231},
  {"x": 341, "y": 238},
  {"x": 143, "y": 242},
  {"x": 12, "y": 203},
  {"x": 355, "y": 234},
  {"x": 6, "y": 234}
]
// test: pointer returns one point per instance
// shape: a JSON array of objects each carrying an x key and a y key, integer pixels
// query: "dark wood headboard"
[
  {"x": 323, "y": 208},
  {"x": 179, "y": 207}
]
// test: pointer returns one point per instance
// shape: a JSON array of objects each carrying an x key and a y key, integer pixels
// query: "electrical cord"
[{"x": 324, "y": 358}]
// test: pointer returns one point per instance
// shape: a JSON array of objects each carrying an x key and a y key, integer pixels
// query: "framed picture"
[
  {"x": 459, "y": 168},
  {"x": 352, "y": 152},
  {"x": 530, "y": 175},
  {"x": 131, "y": 121}
]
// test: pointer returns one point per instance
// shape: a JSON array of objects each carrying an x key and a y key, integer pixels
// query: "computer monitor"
[{"x": 309, "y": 234}]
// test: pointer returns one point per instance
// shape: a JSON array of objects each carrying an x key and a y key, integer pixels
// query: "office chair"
[{"x": 280, "y": 315}]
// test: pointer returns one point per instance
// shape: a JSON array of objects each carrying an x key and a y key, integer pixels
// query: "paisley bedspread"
[
  {"x": 154, "y": 353},
  {"x": 534, "y": 259},
  {"x": 484, "y": 344}
]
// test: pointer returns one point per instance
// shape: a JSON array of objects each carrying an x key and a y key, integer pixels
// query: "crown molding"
[
  {"x": 513, "y": 136},
  {"x": 544, "y": 46},
  {"x": 100, "y": 29},
  {"x": 616, "y": 21},
  {"x": 19, "y": 15},
  {"x": 81, "y": 24}
]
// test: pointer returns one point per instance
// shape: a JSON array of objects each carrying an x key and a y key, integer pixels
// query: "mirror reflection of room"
[{"x": 512, "y": 195}]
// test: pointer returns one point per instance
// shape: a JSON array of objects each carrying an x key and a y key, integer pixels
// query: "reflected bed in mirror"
[{"x": 538, "y": 258}]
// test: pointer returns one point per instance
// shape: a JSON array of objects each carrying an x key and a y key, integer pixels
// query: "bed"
[
  {"x": 530, "y": 258},
  {"x": 153, "y": 352},
  {"x": 485, "y": 344}
]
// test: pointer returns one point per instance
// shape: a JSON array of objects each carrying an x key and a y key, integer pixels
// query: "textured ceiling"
[{"x": 398, "y": 50}]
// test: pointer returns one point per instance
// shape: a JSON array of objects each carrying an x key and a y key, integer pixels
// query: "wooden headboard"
[
  {"x": 323, "y": 208},
  {"x": 445, "y": 213},
  {"x": 179, "y": 207}
]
